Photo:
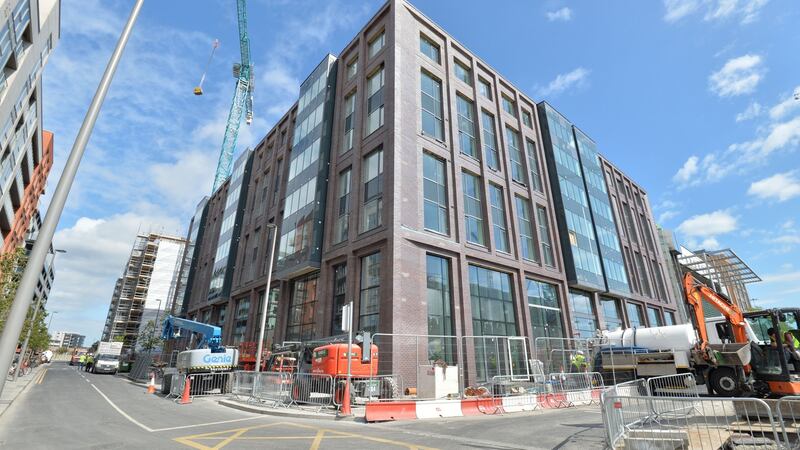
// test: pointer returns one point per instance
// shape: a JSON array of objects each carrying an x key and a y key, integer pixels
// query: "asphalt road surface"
[{"x": 68, "y": 409}]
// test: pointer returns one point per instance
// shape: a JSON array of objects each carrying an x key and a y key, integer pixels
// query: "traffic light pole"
[{"x": 24, "y": 295}]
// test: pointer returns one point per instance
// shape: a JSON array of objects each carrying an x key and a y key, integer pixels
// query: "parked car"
[
  {"x": 106, "y": 364},
  {"x": 76, "y": 359}
]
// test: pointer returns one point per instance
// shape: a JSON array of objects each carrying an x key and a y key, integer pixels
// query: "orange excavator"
[{"x": 753, "y": 353}]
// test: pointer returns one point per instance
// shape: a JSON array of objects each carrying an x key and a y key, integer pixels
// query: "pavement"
[
  {"x": 68, "y": 409},
  {"x": 12, "y": 389}
]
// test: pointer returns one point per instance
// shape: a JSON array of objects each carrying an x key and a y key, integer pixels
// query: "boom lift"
[{"x": 210, "y": 355}]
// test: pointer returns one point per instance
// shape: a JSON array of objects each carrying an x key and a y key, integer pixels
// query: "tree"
[
  {"x": 40, "y": 339},
  {"x": 149, "y": 337},
  {"x": 11, "y": 266},
  {"x": 118, "y": 339}
]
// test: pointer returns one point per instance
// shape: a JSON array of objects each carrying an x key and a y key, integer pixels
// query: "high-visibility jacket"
[
  {"x": 90, "y": 359},
  {"x": 82, "y": 358}
]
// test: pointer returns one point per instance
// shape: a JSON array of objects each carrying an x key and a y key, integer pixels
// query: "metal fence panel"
[
  {"x": 212, "y": 383},
  {"x": 312, "y": 389},
  {"x": 272, "y": 388},
  {"x": 242, "y": 384}
]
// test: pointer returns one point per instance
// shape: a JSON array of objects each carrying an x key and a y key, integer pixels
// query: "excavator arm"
[{"x": 695, "y": 293}]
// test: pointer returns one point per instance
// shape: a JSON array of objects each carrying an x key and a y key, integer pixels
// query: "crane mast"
[{"x": 242, "y": 99}]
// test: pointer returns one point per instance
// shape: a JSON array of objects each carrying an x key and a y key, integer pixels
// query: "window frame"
[
  {"x": 441, "y": 204},
  {"x": 437, "y": 116}
]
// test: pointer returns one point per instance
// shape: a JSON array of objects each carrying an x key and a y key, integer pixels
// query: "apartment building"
[
  {"x": 144, "y": 291},
  {"x": 67, "y": 339},
  {"x": 416, "y": 181},
  {"x": 46, "y": 278},
  {"x": 29, "y": 29}
]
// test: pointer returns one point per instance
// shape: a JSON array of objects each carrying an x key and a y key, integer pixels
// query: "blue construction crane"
[{"x": 242, "y": 100}]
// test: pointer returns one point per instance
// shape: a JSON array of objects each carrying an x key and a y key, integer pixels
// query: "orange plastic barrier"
[{"x": 383, "y": 411}]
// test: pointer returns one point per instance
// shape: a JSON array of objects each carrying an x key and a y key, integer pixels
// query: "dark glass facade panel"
[
  {"x": 492, "y": 303},
  {"x": 370, "y": 299},
  {"x": 339, "y": 297},
  {"x": 240, "y": 324},
  {"x": 440, "y": 318},
  {"x": 611, "y": 313},
  {"x": 372, "y": 174},
  {"x": 545, "y": 310},
  {"x": 302, "y": 309},
  {"x": 583, "y": 317}
]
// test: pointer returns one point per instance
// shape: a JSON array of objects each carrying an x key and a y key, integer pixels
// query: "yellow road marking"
[
  {"x": 227, "y": 436},
  {"x": 40, "y": 376}
]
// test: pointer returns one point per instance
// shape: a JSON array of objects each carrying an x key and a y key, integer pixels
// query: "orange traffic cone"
[
  {"x": 151, "y": 388},
  {"x": 345, "y": 411},
  {"x": 185, "y": 398}
]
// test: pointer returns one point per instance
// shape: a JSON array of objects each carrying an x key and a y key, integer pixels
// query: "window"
[
  {"x": 473, "y": 209},
  {"x": 300, "y": 325},
  {"x": 440, "y": 320},
  {"x": 373, "y": 190},
  {"x": 277, "y": 183},
  {"x": 670, "y": 317},
  {"x": 375, "y": 101},
  {"x": 526, "y": 241},
  {"x": 370, "y": 292},
  {"x": 343, "y": 211},
  {"x": 545, "y": 310},
  {"x": 544, "y": 236},
  {"x": 643, "y": 275},
  {"x": 466, "y": 127},
  {"x": 492, "y": 303},
  {"x": 611, "y": 314},
  {"x": 349, "y": 119},
  {"x": 635, "y": 315},
  {"x": 376, "y": 44},
  {"x": 527, "y": 119},
  {"x": 429, "y": 49},
  {"x": 583, "y": 318},
  {"x": 498, "y": 218},
  {"x": 431, "y": 92},
  {"x": 339, "y": 297},
  {"x": 509, "y": 106},
  {"x": 485, "y": 88},
  {"x": 352, "y": 68},
  {"x": 654, "y": 316},
  {"x": 533, "y": 165},
  {"x": 515, "y": 153},
  {"x": 435, "y": 194},
  {"x": 463, "y": 72},
  {"x": 240, "y": 323},
  {"x": 272, "y": 313},
  {"x": 490, "y": 141}
]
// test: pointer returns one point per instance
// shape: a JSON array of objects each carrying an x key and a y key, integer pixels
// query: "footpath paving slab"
[{"x": 13, "y": 389}]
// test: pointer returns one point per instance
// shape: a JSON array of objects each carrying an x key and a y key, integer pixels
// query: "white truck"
[{"x": 106, "y": 358}]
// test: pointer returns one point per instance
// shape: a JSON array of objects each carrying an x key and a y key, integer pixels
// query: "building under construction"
[{"x": 146, "y": 287}]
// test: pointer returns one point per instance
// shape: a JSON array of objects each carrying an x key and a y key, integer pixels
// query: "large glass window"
[
  {"x": 526, "y": 240},
  {"x": 343, "y": 207},
  {"x": 376, "y": 44},
  {"x": 490, "y": 141},
  {"x": 670, "y": 317},
  {"x": 515, "y": 154},
  {"x": 654, "y": 316},
  {"x": 544, "y": 236},
  {"x": 645, "y": 279},
  {"x": 509, "y": 106},
  {"x": 373, "y": 191},
  {"x": 240, "y": 324},
  {"x": 611, "y": 314},
  {"x": 466, "y": 127},
  {"x": 473, "y": 208},
  {"x": 440, "y": 320},
  {"x": 545, "y": 310},
  {"x": 429, "y": 49},
  {"x": 492, "y": 303},
  {"x": 635, "y": 315},
  {"x": 583, "y": 317},
  {"x": 375, "y": 101},
  {"x": 527, "y": 119},
  {"x": 302, "y": 309},
  {"x": 349, "y": 121},
  {"x": 370, "y": 292},
  {"x": 462, "y": 72},
  {"x": 499, "y": 224},
  {"x": 533, "y": 165},
  {"x": 339, "y": 297},
  {"x": 435, "y": 193},
  {"x": 352, "y": 68},
  {"x": 431, "y": 94},
  {"x": 485, "y": 88}
]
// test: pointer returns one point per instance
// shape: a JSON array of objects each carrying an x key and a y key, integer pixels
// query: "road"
[{"x": 68, "y": 409}]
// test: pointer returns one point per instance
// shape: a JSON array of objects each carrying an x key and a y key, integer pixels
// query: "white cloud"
[
  {"x": 780, "y": 187},
  {"x": 781, "y": 135},
  {"x": 564, "y": 14},
  {"x": 667, "y": 215},
  {"x": 738, "y": 76},
  {"x": 570, "y": 80},
  {"x": 788, "y": 277},
  {"x": 708, "y": 225},
  {"x": 786, "y": 239},
  {"x": 687, "y": 172},
  {"x": 752, "y": 111},
  {"x": 746, "y": 11},
  {"x": 787, "y": 105}
]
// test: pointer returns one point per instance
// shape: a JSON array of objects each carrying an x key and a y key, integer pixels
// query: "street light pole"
[
  {"x": 24, "y": 349},
  {"x": 260, "y": 347},
  {"x": 153, "y": 333},
  {"x": 51, "y": 321},
  {"x": 24, "y": 295}
]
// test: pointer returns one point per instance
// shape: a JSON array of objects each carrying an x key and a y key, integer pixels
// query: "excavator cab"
[{"x": 776, "y": 357}]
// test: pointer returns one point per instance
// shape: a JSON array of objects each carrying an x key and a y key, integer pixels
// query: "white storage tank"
[{"x": 673, "y": 337}]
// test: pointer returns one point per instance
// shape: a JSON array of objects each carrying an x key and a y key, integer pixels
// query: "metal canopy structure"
[{"x": 723, "y": 266}]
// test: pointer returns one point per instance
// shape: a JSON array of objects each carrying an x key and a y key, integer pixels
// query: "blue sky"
[{"x": 692, "y": 98}]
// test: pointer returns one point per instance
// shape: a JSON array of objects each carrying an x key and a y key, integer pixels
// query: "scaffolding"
[{"x": 725, "y": 270}]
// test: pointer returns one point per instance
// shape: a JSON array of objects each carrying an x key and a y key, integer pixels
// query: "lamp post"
[
  {"x": 270, "y": 229},
  {"x": 155, "y": 324},
  {"x": 22, "y": 299},
  {"x": 24, "y": 349}
]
